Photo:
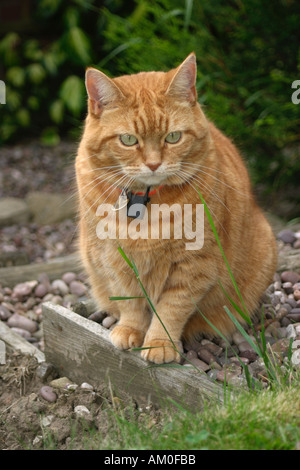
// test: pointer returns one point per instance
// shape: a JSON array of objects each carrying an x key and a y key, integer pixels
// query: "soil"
[{"x": 29, "y": 422}]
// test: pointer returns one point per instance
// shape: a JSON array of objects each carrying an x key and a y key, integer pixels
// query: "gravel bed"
[
  {"x": 24, "y": 244},
  {"x": 33, "y": 166}
]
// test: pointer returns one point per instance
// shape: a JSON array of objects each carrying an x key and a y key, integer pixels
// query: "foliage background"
[{"x": 248, "y": 54}]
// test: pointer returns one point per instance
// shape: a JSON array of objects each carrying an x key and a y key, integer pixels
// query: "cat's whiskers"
[
  {"x": 198, "y": 165},
  {"x": 188, "y": 181},
  {"x": 222, "y": 182},
  {"x": 113, "y": 186},
  {"x": 101, "y": 179},
  {"x": 207, "y": 187}
]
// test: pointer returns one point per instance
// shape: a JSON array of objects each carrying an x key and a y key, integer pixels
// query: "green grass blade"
[
  {"x": 242, "y": 331},
  {"x": 126, "y": 298},
  {"x": 125, "y": 257},
  {"x": 221, "y": 249},
  {"x": 236, "y": 307}
]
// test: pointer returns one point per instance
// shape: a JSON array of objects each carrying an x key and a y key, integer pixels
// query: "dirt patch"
[{"x": 28, "y": 421}]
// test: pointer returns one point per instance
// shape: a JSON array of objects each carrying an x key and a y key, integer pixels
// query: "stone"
[
  {"x": 41, "y": 290},
  {"x": 108, "y": 321},
  {"x": 48, "y": 209},
  {"x": 48, "y": 394},
  {"x": 69, "y": 277},
  {"x": 13, "y": 211},
  {"x": 97, "y": 316},
  {"x": 81, "y": 411},
  {"x": 195, "y": 362},
  {"x": 287, "y": 236},
  {"x": 19, "y": 321},
  {"x": 78, "y": 288},
  {"x": 290, "y": 332},
  {"x": 23, "y": 289},
  {"x": 251, "y": 355},
  {"x": 295, "y": 359},
  {"x": 61, "y": 382},
  {"x": 206, "y": 356},
  {"x": 237, "y": 338},
  {"x": 245, "y": 346},
  {"x": 86, "y": 386},
  {"x": 58, "y": 286},
  {"x": 20, "y": 331},
  {"x": 4, "y": 313},
  {"x": 297, "y": 294},
  {"x": 290, "y": 276}
]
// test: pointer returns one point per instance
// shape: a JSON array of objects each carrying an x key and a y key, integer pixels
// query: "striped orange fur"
[{"x": 149, "y": 106}]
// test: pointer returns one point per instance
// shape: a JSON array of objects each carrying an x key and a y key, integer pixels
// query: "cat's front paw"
[
  {"x": 160, "y": 351},
  {"x": 125, "y": 337}
]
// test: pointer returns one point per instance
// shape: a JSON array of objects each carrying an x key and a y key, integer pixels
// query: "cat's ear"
[
  {"x": 182, "y": 85},
  {"x": 102, "y": 91}
]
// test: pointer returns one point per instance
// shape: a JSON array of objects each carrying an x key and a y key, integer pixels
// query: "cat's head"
[{"x": 148, "y": 125}]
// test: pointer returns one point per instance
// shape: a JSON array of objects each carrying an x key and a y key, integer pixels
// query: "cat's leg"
[
  {"x": 176, "y": 306},
  {"x": 133, "y": 324}
]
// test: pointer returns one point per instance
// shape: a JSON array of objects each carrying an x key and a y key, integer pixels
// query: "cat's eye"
[
  {"x": 128, "y": 140},
  {"x": 173, "y": 137}
]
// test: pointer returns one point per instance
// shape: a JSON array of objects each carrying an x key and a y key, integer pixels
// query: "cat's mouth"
[{"x": 150, "y": 180}]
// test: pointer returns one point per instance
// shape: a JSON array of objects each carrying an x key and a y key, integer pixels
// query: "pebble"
[
  {"x": 206, "y": 356},
  {"x": 81, "y": 411},
  {"x": 194, "y": 361},
  {"x": 4, "y": 313},
  {"x": 237, "y": 338},
  {"x": 245, "y": 346},
  {"x": 212, "y": 347},
  {"x": 295, "y": 359},
  {"x": 41, "y": 290},
  {"x": 297, "y": 294},
  {"x": 108, "y": 321},
  {"x": 290, "y": 276},
  {"x": 48, "y": 393},
  {"x": 61, "y": 382},
  {"x": 20, "y": 331},
  {"x": 287, "y": 236},
  {"x": 58, "y": 286},
  {"x": 251, "y": 355},
  {"x": 97, "y": 316},
  {"x": 86, "y": 386},
  {"x": 69, "y": 277},
  {"x": 19, "y": 321},
  {"x": 23, "y": 289},
  {"x": 78, "y": 288},
  {"x": 47, "y": 420},
  {"x": 290, "y": 332}
]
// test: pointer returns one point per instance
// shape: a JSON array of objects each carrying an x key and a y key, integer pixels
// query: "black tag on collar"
[{"x": 137, "y": 203}]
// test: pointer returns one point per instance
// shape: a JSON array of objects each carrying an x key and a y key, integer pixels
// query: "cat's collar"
[
  {"x": 136, "y": 202},
  {"x": 138, "y": 193}
]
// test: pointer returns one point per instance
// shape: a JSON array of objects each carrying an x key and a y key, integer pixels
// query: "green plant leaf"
[
  {"x": 56, "y": 111},
  {"x": 72, "y": 94}
]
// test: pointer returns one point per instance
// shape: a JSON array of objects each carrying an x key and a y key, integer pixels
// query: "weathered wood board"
[
  {"x": 81, "y": 350},
  {"x": 53, "y": 268}
]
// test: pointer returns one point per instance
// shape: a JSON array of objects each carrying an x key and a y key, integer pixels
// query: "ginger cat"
[{"x": 147, "y": 131}]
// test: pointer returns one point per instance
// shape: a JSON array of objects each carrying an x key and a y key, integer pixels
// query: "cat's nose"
[{"x": 153, "y": 166}]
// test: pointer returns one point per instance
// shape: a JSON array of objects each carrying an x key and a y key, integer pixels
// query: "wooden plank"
[
  {"x": 53, "y": 268},
  {"x": 81, "y": 350},
  {"x": 18, "y": 343}
]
